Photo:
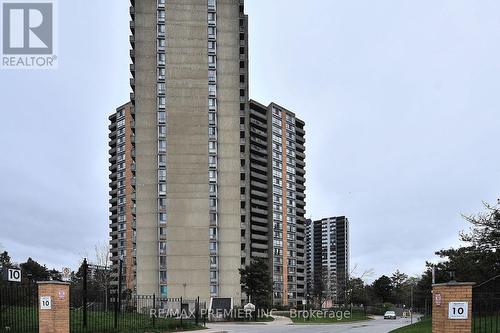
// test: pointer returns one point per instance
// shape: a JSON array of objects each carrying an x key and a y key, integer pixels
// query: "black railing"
[
  {"x": 486, "y": 310},
  {"x": 98, "y": 305},
  {"x": 18, "y": 308},
  {"x": 486, "y": 307}
]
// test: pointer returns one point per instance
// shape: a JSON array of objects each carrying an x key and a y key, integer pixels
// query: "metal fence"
[
  {"x": 18, "y": 308},
  {"x": 105, "y": 307},
  {"x": 486, "y": 307}
]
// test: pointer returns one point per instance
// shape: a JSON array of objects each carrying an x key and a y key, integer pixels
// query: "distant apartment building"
[
  {"x": 327, "y": 264},
  {"x": 175, "y": 150},
  {"x": 273, "y": 197},
  {"x": 122, "y": 190}
]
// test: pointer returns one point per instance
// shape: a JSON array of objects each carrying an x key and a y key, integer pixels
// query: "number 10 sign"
[{"x": 458, "y": 310}]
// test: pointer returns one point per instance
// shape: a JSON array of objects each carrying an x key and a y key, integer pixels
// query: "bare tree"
[
  {"x": 485, "y": 231},
  {"x": 102, "y": 252},
  {"x": 365, "y": 274}
]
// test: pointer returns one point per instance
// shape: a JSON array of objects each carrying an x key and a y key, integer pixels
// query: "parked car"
[{"x": 390, "y": 315}]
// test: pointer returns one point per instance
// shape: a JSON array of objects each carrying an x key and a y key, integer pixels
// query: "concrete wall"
[
  {"x": 187, "y": 149},
  {"x": 229, "y": 147},
  {"x": 146, "y": 147}
]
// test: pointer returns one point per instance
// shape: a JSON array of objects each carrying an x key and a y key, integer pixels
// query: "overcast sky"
[{"x": 400, "y": 100}]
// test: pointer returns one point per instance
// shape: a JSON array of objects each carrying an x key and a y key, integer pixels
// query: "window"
[
  {"x": 212, "y": 175},
  {"x": 163, "y": 248},
  {"x": 162, "y": 175},
  {"x": 161, "y": 58},
  {"x": 162, "y": 160},
  {"x": 212, "y": 203},
  {"x": 161, "y": 102},
  {"x": 161, "y": 29},
  {"x": 211, "y": 17},
  {"x": 212, "y": 103},
  {"x": 212, "y": 60},
  {"x": 213, "y": 233},
  {"x": 162, "y": 217},
  {"x": 212, "y": 146},
  {"x": 212, "y": 89},
  {"x": 213, "y": 261},
  {"x": 212, "y": 161},
  {"x": 212, "y": 45},
  {"x": 213, "y": 289},
  {"x": 212, "y": 118},
  {"x": 213, "y": 219},
  {"x": 162, "y": 146},
  {"x": 162, "y": 117},
  {"x": 162, "y": 131},
  {"x": 161, "y": 15},
  {"x": 162, "y": 203},
  {"x": 211, "y": 32},
  {"x": 161, "y": 73},
  {"x": 163, "y": 277},
  {"x": 161, "y": 88},
  {"x": 212, "y": 75},
  {"x": 162, "y": 189}
]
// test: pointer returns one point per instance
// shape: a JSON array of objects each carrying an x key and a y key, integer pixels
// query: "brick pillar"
[
  {"x": 455, "y": 293},
  {"x": 53, "y": 305}
]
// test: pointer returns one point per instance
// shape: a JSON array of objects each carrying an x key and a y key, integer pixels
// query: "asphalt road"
[{"x": 378, "y": 325}]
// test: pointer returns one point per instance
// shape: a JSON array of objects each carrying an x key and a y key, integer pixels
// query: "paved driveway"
[{"x": 378, "y": 325}]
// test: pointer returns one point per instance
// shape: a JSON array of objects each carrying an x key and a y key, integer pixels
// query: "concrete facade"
[{"x": 186, "y": 105}]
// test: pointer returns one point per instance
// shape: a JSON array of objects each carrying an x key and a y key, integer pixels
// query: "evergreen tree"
[{"x": 256, "y": 283}]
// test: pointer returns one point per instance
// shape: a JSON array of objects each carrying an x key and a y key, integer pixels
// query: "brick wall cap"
[
  {"x": 54, "y": 282},
  {"x": 454, "y": 284}
]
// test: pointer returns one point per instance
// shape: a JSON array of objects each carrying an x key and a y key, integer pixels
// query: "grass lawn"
[
  {"x": 25, "y": 320},
  {"x": 103, "y": 322},
  {"x": 329, "y": 318},
  {"x": 423, "y": 326},
  {"x": 482, "y": 325}
]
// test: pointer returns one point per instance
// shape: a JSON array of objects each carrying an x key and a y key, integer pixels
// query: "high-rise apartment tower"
[
  {"x": 179, "y": 232},
  {"x": 273, "y": 197},
  {"x": 327, "y": 264}
]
